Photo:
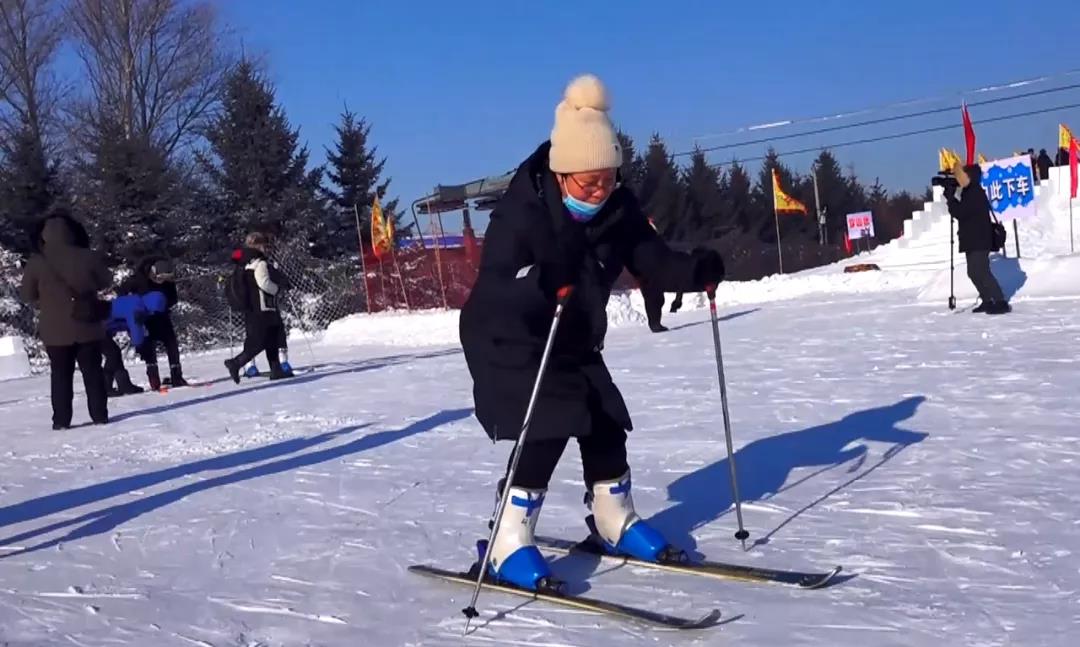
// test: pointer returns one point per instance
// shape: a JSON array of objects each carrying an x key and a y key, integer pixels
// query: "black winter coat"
[
  {"x": 505, "y": 322},
  {"x": 972, "y": 213},
  {"x": 140, "y": 283}
]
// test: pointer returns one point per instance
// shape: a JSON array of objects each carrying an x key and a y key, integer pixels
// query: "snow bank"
[
  {"x": 1024, "y": 278},
  {"x": 411, "y": 329},
  {"x": 13, "y": 360}
]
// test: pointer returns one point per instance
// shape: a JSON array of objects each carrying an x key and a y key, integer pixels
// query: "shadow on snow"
[{"x": 107, "y": 519}]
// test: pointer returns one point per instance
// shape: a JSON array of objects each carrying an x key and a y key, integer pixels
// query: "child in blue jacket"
[{"x": 128, "y": 314}]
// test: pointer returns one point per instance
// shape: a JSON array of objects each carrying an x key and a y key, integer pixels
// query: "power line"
[
  {"x": 1011, "y": 85},
  {"x": 881, "y": 120},
  {"x": 910, "y": 133}
]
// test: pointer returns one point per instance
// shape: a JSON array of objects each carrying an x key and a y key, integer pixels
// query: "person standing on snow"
[
  {"x": 976, "y": 236},
  {"x": 261, "y": 286},
  {"x": 155, "y": 274},
  {"x": 565, "y": 221},
  {"x": 62, "y": 279}
]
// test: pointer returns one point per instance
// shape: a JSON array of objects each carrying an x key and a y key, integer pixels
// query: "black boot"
[
  {"x": 658, "y": 327},
  {"x": 981, "y": 307},
  {"x": 153, "y": 377},
  {"x": 124, "y": 385},
  {"x": 234, "y": 370},
  {"x": 998, "y": 308},
  {"x": 111, "y": 391},
  {"x": 176, "y": 376}
]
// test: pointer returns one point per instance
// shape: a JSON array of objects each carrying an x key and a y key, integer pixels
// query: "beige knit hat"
[{"x": 583, "y": 138}]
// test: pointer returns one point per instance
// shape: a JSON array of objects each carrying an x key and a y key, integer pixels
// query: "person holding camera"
[{"x": 976, "y": 233}]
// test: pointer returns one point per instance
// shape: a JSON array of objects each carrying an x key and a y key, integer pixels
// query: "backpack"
[{"x": 236, "y": 289}]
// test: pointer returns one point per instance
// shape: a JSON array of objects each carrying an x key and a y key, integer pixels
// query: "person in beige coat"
[{"x": 61, "y": 270}]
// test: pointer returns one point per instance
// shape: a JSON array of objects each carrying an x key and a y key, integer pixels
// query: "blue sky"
[{"x": 460, "y": 90}]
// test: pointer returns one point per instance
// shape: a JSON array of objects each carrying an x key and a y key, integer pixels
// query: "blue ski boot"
[
  {"x": 620, "y": 530},
  {"x": 252, "y": 370},
  {"x": 514, "y": 558}
]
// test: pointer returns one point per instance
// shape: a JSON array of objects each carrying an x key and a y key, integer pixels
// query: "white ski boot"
[
  {"x": 619, "y": 528},
  {"x": 515, "y": 558}
]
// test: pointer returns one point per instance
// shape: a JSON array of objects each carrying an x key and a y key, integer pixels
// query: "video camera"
[{"x": 945, "y": 180}]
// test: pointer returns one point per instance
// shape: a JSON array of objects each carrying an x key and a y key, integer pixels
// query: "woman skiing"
[{"x": 565, "y": 221}]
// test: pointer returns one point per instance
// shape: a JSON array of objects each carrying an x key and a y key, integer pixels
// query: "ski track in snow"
[{"x": 933, "y": 456}]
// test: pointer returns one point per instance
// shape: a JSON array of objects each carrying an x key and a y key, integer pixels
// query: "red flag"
[
  {"x": 1074, "y": 172},
  {"x": 847, "y": 243},
  {"x": 969, "y": 135}
]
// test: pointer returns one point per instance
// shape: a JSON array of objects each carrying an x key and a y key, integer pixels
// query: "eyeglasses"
[{"x": 594, "y": 182}]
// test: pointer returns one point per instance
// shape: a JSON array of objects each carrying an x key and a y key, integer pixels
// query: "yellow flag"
[
  {"x": 782, "y": 202},
  {"x": 382, "y": 233},
  {"x": 947, "y": 159},
  {"x": 1065, "y": 136}
]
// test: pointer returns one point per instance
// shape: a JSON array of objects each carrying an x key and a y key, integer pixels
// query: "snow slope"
[{"x": 933, "y": 455}]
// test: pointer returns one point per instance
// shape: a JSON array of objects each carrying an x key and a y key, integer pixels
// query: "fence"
[{"x": 324, "y": 291}]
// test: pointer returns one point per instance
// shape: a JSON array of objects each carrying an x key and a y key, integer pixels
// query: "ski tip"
[
  {"x": 825, "y": 580},
  {"x": 710, "y": 619}
]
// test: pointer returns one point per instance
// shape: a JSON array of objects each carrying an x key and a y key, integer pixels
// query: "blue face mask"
[{"x": 580, "y": 210}]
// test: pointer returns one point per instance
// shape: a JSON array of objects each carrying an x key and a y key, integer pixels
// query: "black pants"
[
  {"x": 654, "y": 305},
  {"x": 261, "y": 335},
  {"x": 159, "y": 329},
  {"x": 114, "y": 360},
  {"x": 978, "y": 269},
  {"x": 603, "y": 457},
  {"x": 62, "y": 360}
]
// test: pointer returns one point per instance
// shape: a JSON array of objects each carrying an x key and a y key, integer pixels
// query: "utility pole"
[{"x": 817, "y": 206}]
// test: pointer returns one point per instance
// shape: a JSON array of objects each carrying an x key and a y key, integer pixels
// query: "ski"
[
  {"x": 718, "y": 570},
  {"x": 574, "y": 601}
]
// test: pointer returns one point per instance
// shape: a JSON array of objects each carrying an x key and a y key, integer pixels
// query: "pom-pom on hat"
[{"x": 583, "y": 138}]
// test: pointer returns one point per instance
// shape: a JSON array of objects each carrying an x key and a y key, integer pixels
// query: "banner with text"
[
  {"x": 1010, "y": 185},
  {"x": 860, "y": 225}
]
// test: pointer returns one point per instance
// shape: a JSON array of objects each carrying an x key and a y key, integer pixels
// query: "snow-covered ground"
[{"x": 933, "y": 455}]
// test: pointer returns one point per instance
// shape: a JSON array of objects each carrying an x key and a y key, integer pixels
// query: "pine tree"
[
  {"x": 257, "y": 166},
  {"x": 738, "y": 197},
  {"x": 661, "y": 192},
  {"x": 834, "y": 195},
  {"x": 633, "y": 166},
  {"x": 357, "y": 175},
  {"x": 29, "y": 186},
  {"x": 703, "y": 208}
]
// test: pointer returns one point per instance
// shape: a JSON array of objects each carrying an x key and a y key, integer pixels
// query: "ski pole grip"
[
  {"x": 564, "y": 293},
  {"x": 710, "y": 291}
]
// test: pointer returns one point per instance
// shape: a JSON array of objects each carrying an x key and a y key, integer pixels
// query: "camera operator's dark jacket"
[
  {"x": 972, "y": 212},
  {"x": 505, "y": 322}
]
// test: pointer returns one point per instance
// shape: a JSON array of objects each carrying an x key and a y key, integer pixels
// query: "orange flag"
[
  {"x": 382, "y": 231},
  {"x": 782, "y": 202},
  {"x": 1065, "y": 137}
]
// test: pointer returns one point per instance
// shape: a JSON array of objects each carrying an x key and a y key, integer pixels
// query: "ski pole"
[
  {"x": 470, "y": 611},
  {"x": 742, "y": 534},
  {"x": 952, "y": 265}
]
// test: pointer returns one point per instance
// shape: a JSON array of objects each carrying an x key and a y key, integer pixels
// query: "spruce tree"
[
  {"x": 356, "y": 173},
  {"x": 703, "y": 207},
  {"x": 661, "y": 192},
  {"x": 29, "y": 186},
  {"x": 633, "y": 166},
  {"x": 257, "y": 166}
]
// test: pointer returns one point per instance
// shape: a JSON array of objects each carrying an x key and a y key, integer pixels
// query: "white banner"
[{"x": 860, "y": 225}]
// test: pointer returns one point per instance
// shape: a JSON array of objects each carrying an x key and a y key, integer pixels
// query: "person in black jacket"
[
  {"x": 972, "y": 213},
  {"x": 263, "y": 326},
  {"x": 156, "y": 274},
  {"x": 565, "y": 221},
  {"x": 1044, "y": 163}
]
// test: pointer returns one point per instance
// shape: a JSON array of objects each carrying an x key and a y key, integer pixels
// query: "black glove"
[
  {"x": 708, "y": 267},
  {"x": 565, "y": 256}
]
